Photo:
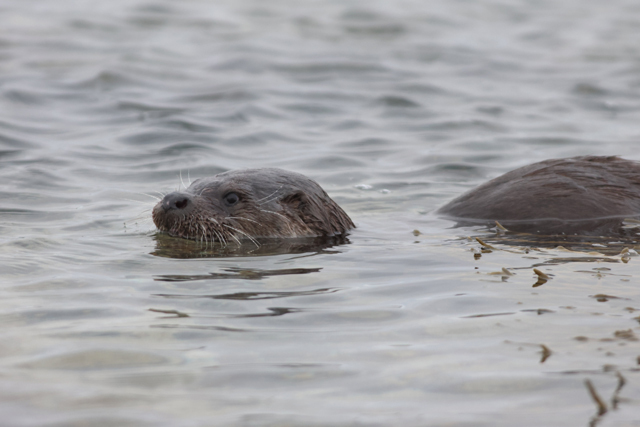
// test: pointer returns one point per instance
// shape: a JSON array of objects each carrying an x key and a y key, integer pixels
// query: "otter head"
[{"x": 250, "y": 204}]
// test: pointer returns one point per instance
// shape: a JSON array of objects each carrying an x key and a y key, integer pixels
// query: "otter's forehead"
[{"x": 259, "y": 182}]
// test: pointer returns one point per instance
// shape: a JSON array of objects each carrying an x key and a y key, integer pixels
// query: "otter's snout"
[
  {"x": 172, "y": 209},
  {"x": 176, "y": 201}
]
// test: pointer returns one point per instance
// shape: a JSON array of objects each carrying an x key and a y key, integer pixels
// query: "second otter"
[
  {"x": 586, "y": 195},
  {"x": 250, "y": 204}
]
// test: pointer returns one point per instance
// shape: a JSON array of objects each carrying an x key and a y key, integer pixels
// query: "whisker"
[
  {"x": 152, "y": 196},
  {"x": 181, "y": 181},
  {"x": 269, "y": 201},
  {"x": 144, "y": 214},
  {"x": 276, "y": 213},
  {"x": 236, "y": 239},
  {"x": 202, "y": 191},
  {"x": 138, "y": 218},
  {"x": 221, "y": 238},
  {"x": 279, "y": 188},
  {"x": 239, "y": 217},
  {"x": 244, "y": 234},
  {"x": 135, "y": 224},
  {"x": 204, "y": 234},
  {"x": 219, "y": 234},
  {"x": 138, "y": 201}
]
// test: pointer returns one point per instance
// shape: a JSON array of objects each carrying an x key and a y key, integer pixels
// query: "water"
[{"x": 394, "y": 108}]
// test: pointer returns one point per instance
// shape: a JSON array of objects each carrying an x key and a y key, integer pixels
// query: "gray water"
[{"x": 394, "y": 108}]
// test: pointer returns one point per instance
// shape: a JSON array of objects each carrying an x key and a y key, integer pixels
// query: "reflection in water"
[
  {"x": 613, "y": 227},
  {"x": 542, "y": 278},
  {"x": 555, "y": 250},
  {"x": 174, "y": 247},
  {"x": 254, "y": 295},
  {"x": 600, "y": 405},
  {"x": 273, "y": 312},
  {"x": 600, "y": 249},
  {"x": 605, "y": 298},
  {"x": 235, "y": 273},
  {"x": 176, "y": 313},
  {"x": 545, "y": 352},
  {"x": 208, "y": 328},
  {"x": 487, "y": 315}
]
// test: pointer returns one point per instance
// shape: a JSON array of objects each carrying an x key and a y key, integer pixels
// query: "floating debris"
[
  {"x": 615, "y": 399},
  {"x": 542, "y": 278},
  {"x": 626, "y": 254},
  {"x": 626, "y": 335},
  {"x": 539, "y": 311},
  {"x": 500, "y": 227},
  {"x": 605, "y": 298},
  {"x": 602, "y": 407},
  {"x": 504, "y": 272},
  {"x": 540, "y": 274},
  {"x": 485, "y": 245},
  {"x": 546, "y": 353},
  {"x": 630, "y": 252}
]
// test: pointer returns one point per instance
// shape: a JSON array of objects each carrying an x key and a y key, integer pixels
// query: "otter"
[
  {"x": 587, "y": 195},
  {"x": 250, "y": 204}
]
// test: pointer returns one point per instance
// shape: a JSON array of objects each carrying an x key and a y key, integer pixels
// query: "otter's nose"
[{"x": 175, "y": 201}]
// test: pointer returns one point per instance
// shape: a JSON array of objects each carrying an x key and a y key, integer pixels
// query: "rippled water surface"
[{"x": 394, "y": 108}]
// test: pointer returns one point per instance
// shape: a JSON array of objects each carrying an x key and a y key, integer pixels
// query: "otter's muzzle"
[{"x": 176, "y": 202}]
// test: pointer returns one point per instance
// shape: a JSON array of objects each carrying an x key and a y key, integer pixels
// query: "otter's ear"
[
  {"x": 309, "y": 213},
  {"x": 296, "y": 201}
]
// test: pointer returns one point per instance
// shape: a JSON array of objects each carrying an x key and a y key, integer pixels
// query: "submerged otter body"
[
  {"x": 580, "y": 195},
  {"x": 251, "y": 204}
]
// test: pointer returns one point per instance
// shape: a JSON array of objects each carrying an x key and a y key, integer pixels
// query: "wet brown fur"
[
  {"x": 587, "y": 195},
  {"x": 273, "y": 203}
]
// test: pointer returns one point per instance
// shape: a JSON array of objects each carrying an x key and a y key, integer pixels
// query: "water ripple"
[{"x": 394, "y": 108}]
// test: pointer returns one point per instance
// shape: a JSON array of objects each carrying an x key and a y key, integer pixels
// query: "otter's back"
[{"x": 555, "y": 192}]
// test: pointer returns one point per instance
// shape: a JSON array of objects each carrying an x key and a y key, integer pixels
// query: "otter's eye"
[{"x": 231, "y": 199}]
